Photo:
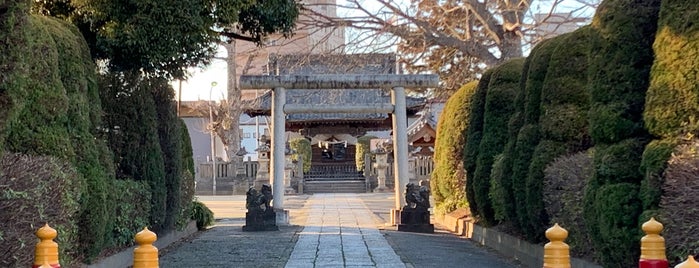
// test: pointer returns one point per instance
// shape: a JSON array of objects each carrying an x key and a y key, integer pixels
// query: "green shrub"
[
  {"x": 171, "y": 144},
  {"x": 672, "y": 101},
  {"x": 497, "y": 192},
  {"x": 302, "y": 147},
  {"x": 527, "y": 110},
  {"x": 187, "y": 181},
  {"x": 562, "y": 122},
  {"x": 619, "y": 162},
  {"x": 13, "y": 43},
  {"x": 502, "y": 90},
  {"x": 58, "y": 114},
  {"x": 202, "y": 214},
  {"x": 617, "y": 210},
  {"x": 474, "y": 134},
  {"x": 544, "y": 153},
  {"x": 678, "y": 202},
  {"x": 363, "y": 149},
  {"x": 564, "y": 181},
  {"x": 653, "y": 164},
  {"x": 620, "y": 59},
  {"x": 132, "y": 134},
  {"x": 526, "y": 142},
  {"x": 35, "y": 190},
  {"x": 132, "y": 199},
  {"x": 448, "y": 181}
]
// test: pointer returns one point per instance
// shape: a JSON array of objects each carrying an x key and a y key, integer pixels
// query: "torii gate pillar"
[{"x": 396, "y": 83}]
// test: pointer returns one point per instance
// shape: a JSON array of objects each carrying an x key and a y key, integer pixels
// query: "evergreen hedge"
[
  {"x": 302, "y": 146},
  {"x": 171, "y": 144},
  {"x": 363, "y": 148},
  {"x": 57, "y": 113},
  {"x": 13, "y": 42},
  {"x": 35, "y": 190},
  {"x": 498, "y": 108},
  {"x": 564, "y": 181},
  {"x": 131, "y": 122},
  {"x": 524, "y": 133},
  {"x": 672, "y": 105},
  {"x": 187, "y": 182},
  {"x": 448, "y": 181},
  {"x": 672, "y": 101},
  {"x": 562, "y": 121},
  {"x": 474, "y": 134},
  {"x": 620, "y": 61}
]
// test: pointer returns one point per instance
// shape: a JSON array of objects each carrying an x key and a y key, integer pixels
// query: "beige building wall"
[{"x": 253, "y": 60}]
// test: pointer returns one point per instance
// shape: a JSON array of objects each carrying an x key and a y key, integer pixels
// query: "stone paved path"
[
  {"x": 327, "y": 230},
  {"x": 341, "y": 232}
]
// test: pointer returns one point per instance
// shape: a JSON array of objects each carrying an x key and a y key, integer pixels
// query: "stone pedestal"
[
  {"x": 260, "y": 221},
  {"x": 415, "y": 220},
  {"x": 381, "y": 166}
]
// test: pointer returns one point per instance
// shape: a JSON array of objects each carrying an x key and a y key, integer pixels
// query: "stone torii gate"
[{"x": 396, "y": 83}]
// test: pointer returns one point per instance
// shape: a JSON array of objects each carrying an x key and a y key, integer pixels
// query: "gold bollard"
[
  {"x": 556, "y": 252},
  {"x": 689, "y": 263},
  {"x": 145, "y": 255},
  {"x": 46, "y": 251},
  {"x": 652, "y": 246},
  {"x": 45, "y": 265}
]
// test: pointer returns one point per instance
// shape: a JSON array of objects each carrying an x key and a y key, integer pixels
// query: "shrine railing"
[{"x": 332, "y": 170}]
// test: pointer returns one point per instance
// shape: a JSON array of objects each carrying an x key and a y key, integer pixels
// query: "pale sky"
[{"x": 198, "y": 85}]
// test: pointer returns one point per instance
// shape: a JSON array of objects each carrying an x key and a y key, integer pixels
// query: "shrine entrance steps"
[{"x": 334, "y": 185}]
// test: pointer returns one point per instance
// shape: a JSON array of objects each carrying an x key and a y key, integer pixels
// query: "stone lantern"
[
  {"x": 263, "y": 151},
  {"x": 381, "y": 166},
  {"x": 288, "y": 169}
]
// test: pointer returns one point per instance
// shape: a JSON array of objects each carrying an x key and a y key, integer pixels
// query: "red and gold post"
[
  {"x": 46, "y": 251},
  {"x": 652, "y": 246}
]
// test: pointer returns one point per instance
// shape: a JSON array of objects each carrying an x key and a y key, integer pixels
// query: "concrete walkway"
[
  {"x": 327, "y": 230},
  {"x": 341, "y": 232}
]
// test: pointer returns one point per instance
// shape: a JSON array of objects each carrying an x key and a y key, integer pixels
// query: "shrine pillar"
[
  {"x": 400, "y": 150},
  {"x": 278, "y": 148}
]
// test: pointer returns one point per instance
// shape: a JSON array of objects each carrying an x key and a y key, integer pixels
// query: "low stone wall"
[
  {"x": 529, "y": 255},
  {"x": 125, "y": 257}
]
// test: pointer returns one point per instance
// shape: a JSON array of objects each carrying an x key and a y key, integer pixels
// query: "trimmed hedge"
[
  {"x": 58, "y": 113},
  {"x": 678, "y": 202},
  {"x": 672, "y": 101},
  {"x": 171, "y": 144},
  {"x": 474, "y": 134},
  {"x": 544, "y": 153},
  {"x": 564, "y": 179},
  {"x": 35, "y": 190},
  {"x": 363, "y": 148},
  {"x": 523, "y": 138},
  {"x": 448, "y": 180},
  {"x": 617, "y": 209},
  {"x": 502, "y": 90},
  {"x": 132, "y": 199},
  {"x": 302, "y": 146},
  {"x": 562, "y": 121},
  {"x": 131, "y": 122},
  {"x": 620, "y": 59},
  {"x": 187, "y": 181},
  {"x": 13, "y": 42}
]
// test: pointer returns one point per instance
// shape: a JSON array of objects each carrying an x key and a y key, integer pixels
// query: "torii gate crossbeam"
[{"x": 396, "y": 83}]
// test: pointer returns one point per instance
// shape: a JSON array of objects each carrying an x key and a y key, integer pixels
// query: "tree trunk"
[{"x": 232, "y": 128}]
